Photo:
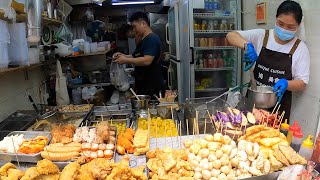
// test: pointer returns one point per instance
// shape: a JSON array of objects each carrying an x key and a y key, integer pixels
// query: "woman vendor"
[{"x": 281, "y": 59}]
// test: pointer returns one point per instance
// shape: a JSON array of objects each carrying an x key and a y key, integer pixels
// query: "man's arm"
[
  {"x": 139, "y": 61},
  {"x": 296, "y": 85}
]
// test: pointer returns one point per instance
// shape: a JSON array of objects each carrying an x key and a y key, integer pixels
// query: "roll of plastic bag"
[{"x": 18, "y": 47}]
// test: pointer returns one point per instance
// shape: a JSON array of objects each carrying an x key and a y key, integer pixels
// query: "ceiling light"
[{"x": 132, "y": 3}]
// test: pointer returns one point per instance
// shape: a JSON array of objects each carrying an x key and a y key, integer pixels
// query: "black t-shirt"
[{"x": 149, "y": 78}]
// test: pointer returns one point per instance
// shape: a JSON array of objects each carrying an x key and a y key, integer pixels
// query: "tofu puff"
[{"x": 4, "y": 169}]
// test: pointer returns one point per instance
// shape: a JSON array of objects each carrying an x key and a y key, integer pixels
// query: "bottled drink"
[
  {"x": 220, "y": 61},
  {"x": 210, "y": 61},
  {"x": 316, "y": 151}
]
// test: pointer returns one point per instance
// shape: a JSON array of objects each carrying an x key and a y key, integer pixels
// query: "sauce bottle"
[
  {"x": 285, "y": 127},
  {"x": 292, "y": 129},
  {"x": 296, "y": 140},
  {"x": 306, "y": 148},
  {"x": 316, "y": 151}
]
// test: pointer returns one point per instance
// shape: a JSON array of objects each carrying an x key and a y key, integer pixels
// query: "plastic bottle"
[
  {"x": 316, "y": 151},
  {"x": 292, "y": 129},
  {"x": 306, "y": 148},
  {"x": 285, "y": 127},
  {"x": 296, "y": 140}
]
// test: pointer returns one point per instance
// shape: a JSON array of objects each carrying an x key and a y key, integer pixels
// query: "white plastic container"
[
  {"x": 87, "y": 47},
  {"x": 34, "y": 55},
  {"x": 94, "y": 47},
  {"x": 18, "y": 47},
  {"x": 4, "y": 57},
  {"x": 4, "y": 42}
]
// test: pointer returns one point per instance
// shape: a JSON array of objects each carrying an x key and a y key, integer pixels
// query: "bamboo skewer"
[
  {"x": 194, "y": 128},
  {"x": 180, "y": 135},
  {"x": 171, "y": 138},
  {"x": 131, "y": 124},
  {"x": 281, "y": 118},
  {"x": 177, "y": 128},
  {"x": 205, "y": 125},
  {"x": 274, "y": 108},
  {"x": 171, "y": 113},
  {"x": 187, "y": 127},
  {"x": 165, "y": 131},
  {"x": 234, "y": 133},
  {"x": 156, "y": 134}
]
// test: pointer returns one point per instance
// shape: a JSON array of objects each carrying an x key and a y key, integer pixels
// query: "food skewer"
[
  {"x": 180, "y": 135},
  {"x": 156, "y": 134},
  {"x": 131, "y": 124},
  {"x": 194, "y": 128},
  {"x": 165, "y": 131},
  {"x": 177, "y": 128},
  {"x": 205, "y": 125},
  {"x": 234, "y": 133},
  {"x": 278, "y": 109},
  {"x": 280, "y": 119},
  {"x": 101, "y": 117},
  {"x": 15, "y": 152},
  {"x": 187, "y": 127},
  {"x": 171, "y": 138},
  {"x": 171, "y": 113},
  {"x": 275, "y": 107}
]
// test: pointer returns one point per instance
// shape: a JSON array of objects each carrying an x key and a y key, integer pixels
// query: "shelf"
[
  {"x": 89, "y": 85},
  {"x": 213, "y": 69},
  {"x": 22, "y": 68},
  {"x": 91, "y": 54},
  {"x": 212, "y": 16},
  {"x": 212, "y": 31},
  {"x": 209, "y": 90},
  {"x": 213, "y": 48},
  {"x": 23, "y": 18}
]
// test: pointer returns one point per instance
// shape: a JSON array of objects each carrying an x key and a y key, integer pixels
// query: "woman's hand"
[{"x": 250, "y": 56}]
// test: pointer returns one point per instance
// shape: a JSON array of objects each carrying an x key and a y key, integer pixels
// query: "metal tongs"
[{"x": 234, "y": 89}]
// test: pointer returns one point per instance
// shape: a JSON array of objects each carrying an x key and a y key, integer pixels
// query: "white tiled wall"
[
  {"x": 13, "y": 87},
  {"x": 306, "y": 105}
]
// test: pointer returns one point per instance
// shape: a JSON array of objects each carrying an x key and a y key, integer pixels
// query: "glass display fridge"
[{"x": 208, "y": 65}]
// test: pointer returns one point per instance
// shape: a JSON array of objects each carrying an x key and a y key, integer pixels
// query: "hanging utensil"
[
  {"x": 33, "y": 104},
  {"x": 236, "y": 88}
]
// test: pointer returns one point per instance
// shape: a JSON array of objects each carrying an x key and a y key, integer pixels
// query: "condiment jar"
[
  {"x": 285, "y": 127},
  {"x": 292, "y": 129},
  {"x": 297, "y": 140},
  {"x": 316, "y": 151},
  {"x": 306, "y": 148}
]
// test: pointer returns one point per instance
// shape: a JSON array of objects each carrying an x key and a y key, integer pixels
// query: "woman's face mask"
[{"x": 284, "y": 34}]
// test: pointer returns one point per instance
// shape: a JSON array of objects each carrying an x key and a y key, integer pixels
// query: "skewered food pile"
[
  {"x": 163, "y": 127},
  {"x": 218, "y": 157},
  {"x": 125, "y": 142},
  {"x": 273, "y": 145},
  {"x": 75, "y": 108}
]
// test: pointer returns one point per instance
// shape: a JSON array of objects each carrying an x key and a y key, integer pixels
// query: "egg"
[
  {"x": 225, "y": 169},
  {"x": 191, "y": 156},
  {"x": 198, "y": 158},
  {"x": 197, "y": 175},
  {"x": 222, "y": 176},
  {"x": 204, "y": 153}
]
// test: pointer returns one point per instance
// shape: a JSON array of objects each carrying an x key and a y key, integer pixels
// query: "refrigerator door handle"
[
  {"x": 167, "y": 33},
  {"x": 192, "y": 55},
  {"x": 169, "y": 77}
]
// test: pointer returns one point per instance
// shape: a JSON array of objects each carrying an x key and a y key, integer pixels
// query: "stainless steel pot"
[
  {"x": 164, "y": 110},
  {"x": 263, "y": 97},
  {"x": 143, "y": 104}
]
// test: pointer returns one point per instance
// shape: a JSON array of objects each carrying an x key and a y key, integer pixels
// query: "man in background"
[{"x": 148, "y": 77}]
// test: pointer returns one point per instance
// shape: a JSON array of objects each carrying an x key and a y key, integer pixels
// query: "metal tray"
[
  {"x": 59, "y": 110},
  {"x": 19, "y": 157}
]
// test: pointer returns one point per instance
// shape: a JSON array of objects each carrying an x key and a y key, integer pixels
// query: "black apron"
[
  {"x": 272, "y": 66},
  {"x": 148, "y": 79}
]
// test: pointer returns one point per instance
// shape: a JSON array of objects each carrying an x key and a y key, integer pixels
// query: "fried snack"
[
  {"x": 70, "y": 171},
  {"x": 140, "y": 139},
  {"x": 291, "y": 155},
  {"x": 46, "y": 167},
  {"x": 100, "y": 168},
  {"x": 270, "y": 133},
  {"x": 103, "y": 132},
  {"x": 50, "y": 177},
  {"x": 4, "y": 169},
  {"x": 275, "y": 164},
  {"x": 63, "y": 134},
  {"x": 269, "y": 141},
  {"x": 13, "y": 174},
  {"x": 280, "y": 157},
  {"x": 59, "y": 156},
  {"x": 34, "y": 145},
  {"x": 31, "y": 174},
  {"x": 63, "y": 149},
  {"x": 254, "y": 137},
  {"x": 254, "y": 129},
  {"x": 144, "y": 150}
]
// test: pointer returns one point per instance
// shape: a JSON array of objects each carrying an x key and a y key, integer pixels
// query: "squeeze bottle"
[
  {"x": 285, "y": 127},
  {"x": 306, "y": 148},
  {"x": 296, "y": 140},
  {"x": 292, "y": 129}
]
